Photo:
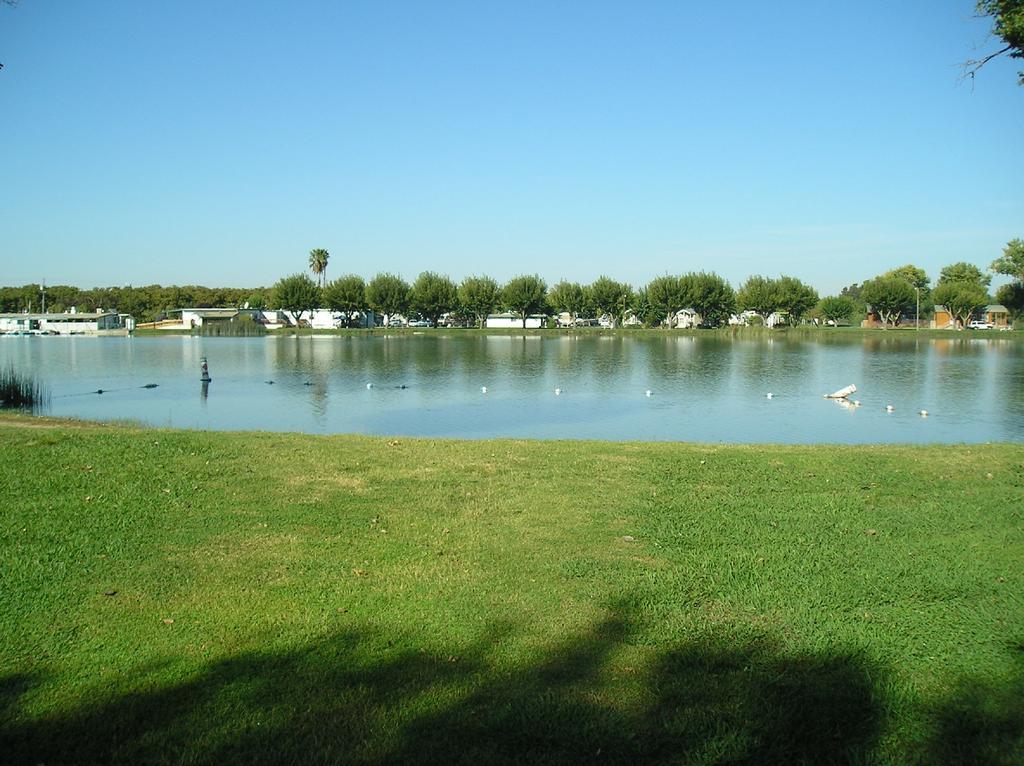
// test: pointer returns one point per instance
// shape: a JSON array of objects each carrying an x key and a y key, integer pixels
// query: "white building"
[
  {"x": 565, "y": 319},
  {"x": 747, "y": 317},
  {"x": 508, "y": 320},
  {"x": 70, "y": 323},
  {"x": 686, "y": 319},
  {"x": 318, "y": 319}
]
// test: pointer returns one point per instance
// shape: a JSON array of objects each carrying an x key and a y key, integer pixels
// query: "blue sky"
[{"x": 218, "y": 142}]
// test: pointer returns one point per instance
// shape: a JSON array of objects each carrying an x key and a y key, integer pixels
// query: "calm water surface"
[{"x": 708, "y": 389}]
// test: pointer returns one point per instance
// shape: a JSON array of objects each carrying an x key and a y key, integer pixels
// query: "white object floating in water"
[
  {"x": 842, "y": 393},
  {"x": 856, "y": 402},
  {"x": 648, "y": 392},
  {"x": 369, "y": 386},
  {"x": 483, "y": 389},
  {"x": 889, "y": 408},
  {"x": 768, "y": 395},
  {"x": 558, "y": 392},
  {"x": 923, "y": 413}
]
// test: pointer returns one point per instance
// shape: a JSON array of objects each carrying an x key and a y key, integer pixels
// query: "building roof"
[
  {"x": 210, "y": 311},
  {"x": 82, "y": 316},
  {"x": 992, "y": 308}
]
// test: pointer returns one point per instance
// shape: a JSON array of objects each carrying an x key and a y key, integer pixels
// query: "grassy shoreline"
[{"x": 293, "y": 598}]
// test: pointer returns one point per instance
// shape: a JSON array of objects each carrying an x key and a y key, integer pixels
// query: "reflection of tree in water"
[{"x": 318, "y": 395}]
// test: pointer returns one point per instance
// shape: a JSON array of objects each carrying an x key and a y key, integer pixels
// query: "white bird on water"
[
  {"x": 768, "y": 395},
  {"x": 923, "y": 413},
  {"x": 483, "y": 389},
  {"x": 889, "y": 408},
  {"x": 369, "y": 386},
  {"x": 648, "y": 392},
  {"x": 558, "y": 392}
]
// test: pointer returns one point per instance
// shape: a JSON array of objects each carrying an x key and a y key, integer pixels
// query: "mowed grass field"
[{"x": 185, "y": 597}]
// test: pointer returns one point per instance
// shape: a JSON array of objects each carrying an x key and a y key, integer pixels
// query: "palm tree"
[{"x": 318, "y": 264}]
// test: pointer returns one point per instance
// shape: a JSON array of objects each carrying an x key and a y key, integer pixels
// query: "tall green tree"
[
  {"x": 610, "y": 298},
  {"x": 297, "y": 293},
  {"x": 568, "y": 297},
  {"x": 258, "y": 300},
  {"x": 836, "y": 308},
  {"x": 318, "y": 258},
  {"x": 709, "y": 295},
  {"x": 665, "y": 297},
  {"x": 1011, "y": 263},
  {"x": 433, "y": 295},
  {"x": 346, "y": 294},
  {"x": 642, "y": 309},
  {"x": 965, "y": 273},
  {"x": 1008, "y": 25},
  {"x": 961, "y": 299},
  {"x": 760, "y": 294},
  {"x": 916, "y": 276},
  {"x": 918, "y": 279},
  {"x": 524, "y": 295},
  {"x": 388, "y": 294},
  {"x": 889, "y": 297},
  {"x": 478, "y": 297},
  {"x": 1012, "y": 296},
  {"x": 795, "y": 297}
]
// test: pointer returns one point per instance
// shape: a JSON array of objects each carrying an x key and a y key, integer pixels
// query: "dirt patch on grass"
[
  {"x": 9, "y": 420},
  {"x": 340, "y": 481}
]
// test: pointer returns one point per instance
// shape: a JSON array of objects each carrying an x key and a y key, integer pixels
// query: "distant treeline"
[
  {"x": 144, "y": 303},
  {"x": 905, "y": 292}
]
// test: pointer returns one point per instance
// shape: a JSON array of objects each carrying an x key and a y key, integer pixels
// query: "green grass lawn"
[{"x": 188, "y": 597}]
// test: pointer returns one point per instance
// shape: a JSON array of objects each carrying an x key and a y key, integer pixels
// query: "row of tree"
[
  {"x": 144, "y": 303},
  {"x": 433, "y": 296},
  {"x": 962, "y": 289},
  {"x": 906, "y": 291}
]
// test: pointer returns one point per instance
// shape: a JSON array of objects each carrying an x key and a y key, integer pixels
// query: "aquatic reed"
[
  {"x": 241, "y": 327},
  {"x": 20, "y": 391}
]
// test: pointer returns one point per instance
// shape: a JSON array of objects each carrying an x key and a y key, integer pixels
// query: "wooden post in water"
[{"x": 204, "y": 371}]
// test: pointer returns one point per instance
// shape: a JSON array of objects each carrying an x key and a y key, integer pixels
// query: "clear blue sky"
[{"x": 218, "y": 142}]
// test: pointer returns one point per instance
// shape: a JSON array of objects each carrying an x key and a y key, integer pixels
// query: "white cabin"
[{"x": 508, "y": 320}]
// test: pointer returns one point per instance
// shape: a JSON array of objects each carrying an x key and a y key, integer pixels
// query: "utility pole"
[{"x": 42, "y": 291}]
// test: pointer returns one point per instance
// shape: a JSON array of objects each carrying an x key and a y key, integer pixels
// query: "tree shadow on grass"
[
  {"x": 345, "y": 699},
  {"x": 982, "y": 722}
]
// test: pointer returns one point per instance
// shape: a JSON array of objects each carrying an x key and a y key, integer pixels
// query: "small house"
[{"x": 508, "y": 320}]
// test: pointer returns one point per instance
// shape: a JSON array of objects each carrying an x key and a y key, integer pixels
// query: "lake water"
[{"x": 703, "y": 388}]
